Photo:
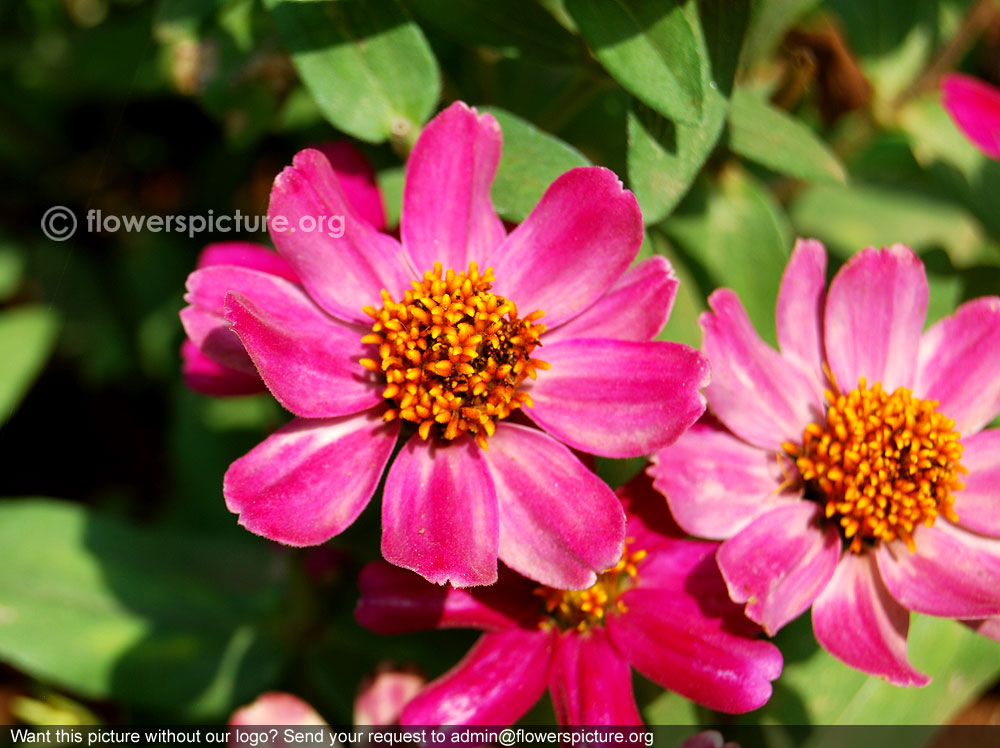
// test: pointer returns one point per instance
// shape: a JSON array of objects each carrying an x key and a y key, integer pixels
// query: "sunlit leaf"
[{"x": 27, "y": 335}]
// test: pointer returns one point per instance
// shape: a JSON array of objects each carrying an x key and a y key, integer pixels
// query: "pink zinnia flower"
[
  {"x": 850, "y": 501},
  {"x": 277, "y": 708},
  {"x": 974, "y": 105},
  {"x": 383, "y": 695},
  {"x": 662, "y": 609},
  {"x": 383, "y": 334},
  {"x": 213, "y": 360}
]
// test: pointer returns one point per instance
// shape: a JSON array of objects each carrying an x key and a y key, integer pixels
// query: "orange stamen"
[{"x": 453, "y": 354}]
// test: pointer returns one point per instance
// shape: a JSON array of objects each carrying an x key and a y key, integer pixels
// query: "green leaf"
[
  {"x": 664, "y": 156},
  {"x": 960, "y": 662},
  {"x": 682, "y": 326},
  {"x": 530, "y": 162},
  {"x": 739, "y": 238},
  {"x": 369, "y": 67},
  {"x": 163, "y": 620},
  {"x": 11, "y": 270},
  {"x": 772, "y": 138},
  {"x": 848, "y": 219},
  {"x": 27, "y": 335},
  {"x": 651, "y": 49},
  {"x": 513, "y": 27}
]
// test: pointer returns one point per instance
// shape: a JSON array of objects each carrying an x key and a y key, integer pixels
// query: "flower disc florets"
[
  {"x": 580, "y": 609},
  {"x": 453, "y": 353},
  {"x": 881, "y": 463}
]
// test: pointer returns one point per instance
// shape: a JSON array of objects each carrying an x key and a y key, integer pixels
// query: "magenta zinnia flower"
[
  {"x": 438, "y": 338},
  {"x": 974, "y": 105},
  {"x": 662, "y": 609},
  {"x": 877, "y": 497}
]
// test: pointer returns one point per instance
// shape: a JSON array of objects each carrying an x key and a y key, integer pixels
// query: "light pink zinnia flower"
[
  {"x": 851, "y": 501},
  {"x": 974, "y": 105},
  {"x": 277, "y": 708},
  {"x": 662, "y": 609},
  {"x": 450, "y": 356},
  {"x": 383, "y": 695},
  {"x": 213, "y": 360}
]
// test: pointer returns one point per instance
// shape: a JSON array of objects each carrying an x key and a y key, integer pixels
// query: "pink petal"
[
  {"x": 671, "y": 641},
  {"x": 959, "y": 364},
  {"x": 203, "y": 374},
  {"x": 706, "y": 739},
  {"x": 397, "y": 601},
  {"x": 648, "y": 522},
  {"x": 952, "y": 573},
  {"x": 247, "y": 255},
  {"x": 308, "y": 360},
  {"x": 559, "y": 523},
  {"x": 975, "y": 107},
  {"x": 636, "y": 307},
  {"x": 447, "y": 213},
  {"x": 341, "y": 274},
  {"x": 989, "y": 627},
  {"x": 800, "y": 309},
  {"x": 761, "y": 396},
  {"x": 276, "y": 708},
  {"x": 382, "y": 696},
  {"x": 590, "y": 683},
  {"x": 874, "y": 314},
  {"x": 357, "y": 180},
  {"x": 310, "y": 480},
  {"x": 439, "y": 513},
  {"x": 780, "y": 562},
  {"x": 500, "y": 679},
  {"x": 856, "y": 620},
  {"x": 579, "y": 239},
  {"x": 618, "y": 398},
  {"x": 715, "y": 483},
  {"x": 978, "y": 504}
]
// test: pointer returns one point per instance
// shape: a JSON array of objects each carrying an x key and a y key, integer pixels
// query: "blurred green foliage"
[{"x": 739, "y": 125}]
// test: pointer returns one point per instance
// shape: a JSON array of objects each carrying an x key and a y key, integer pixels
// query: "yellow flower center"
[
  {"x": 453, "y": 353},
  {"x": 883, "y": 464},
  {"x": 579, "y": 609}
]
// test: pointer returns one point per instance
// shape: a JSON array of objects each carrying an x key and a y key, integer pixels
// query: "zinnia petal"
[
  {"x": 500, "y": 679},
  {"x": 671, "y": 641},
  {"x": 801, "y": 300},
  {"x": 342, "y": 274},
  {"x": 636, "y": 307},
  {"x": 579, "y": 239},
  {"x": 715, "y": 483},
  {"x": 974, "y": 105},
  {"x": 397, "y": 601},
  {"x": 762, "y": 397},
  {"x": 780, "y": 563},
  {"x": 357, "y": 180},
  {"x": 590, "y": 683},
  {"x": 559, "y": 523},
  {"x": 618, "y": 398},
  {"x": 978, "y": 504},
  {"x": 959, "y": 364},
  {"x": 310, "y": 479},
  {"x": 988, "y": 627},
  {"x": 952, "y": 573},
  {"x": 874, "y": 314},
  {"x": 857, "y": 620},
  {"x": 276, "y": 708},
  {"x": 246, "y": 255},
  {"x": 439, "y": 513},
  {"x": 207, "y": 376},
  {"x": 447, "y": 213},
  {"x": 308, "y": 360}
]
